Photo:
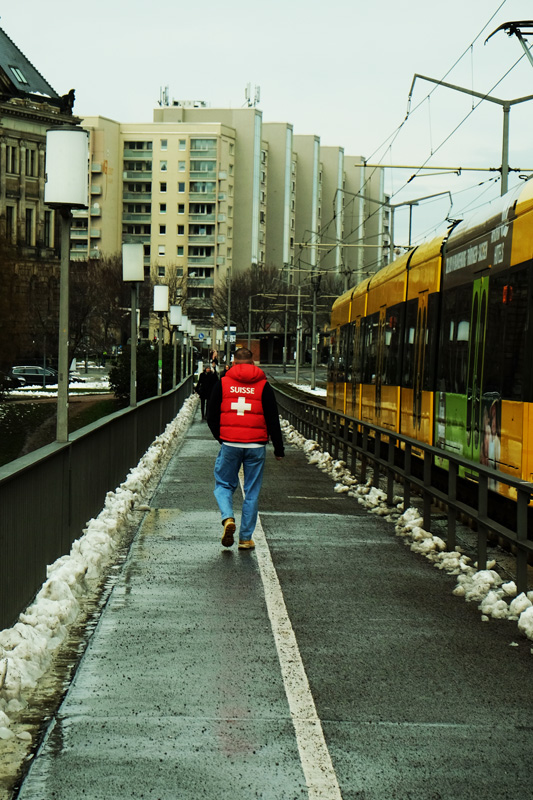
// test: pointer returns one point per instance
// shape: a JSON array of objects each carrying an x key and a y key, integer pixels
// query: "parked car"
[
  {"x": 8, "y": 382},
  {"x": 34, "y": 375}
]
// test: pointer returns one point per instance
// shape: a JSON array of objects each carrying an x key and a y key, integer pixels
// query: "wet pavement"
[{"x": 330, "y": 662}]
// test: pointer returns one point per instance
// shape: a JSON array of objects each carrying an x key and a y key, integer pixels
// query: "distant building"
[{"x": 208, "y": 190}]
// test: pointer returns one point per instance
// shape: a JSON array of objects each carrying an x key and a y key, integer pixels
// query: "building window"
[
  {"x": 162, "y": 230},
  {"x": 12, "y": 159},
  {"x": 147, "y": 250},
  {"x": 28, "y": 238},
  {"x": 181, "y": 166},
  {"x": 183, "y": 144},
  {"x": 10, "y": 223},
  {"x": 181, "y": 208},
  {"x": 47, "y": 229},
  {"x": 161, "y": 272},
  {"x": 181, "y": 230},
  {"x": 31, "y": 163},
  {"x": 181, "y": 187},
  {"x": 162, "y": 187},
  {"x": 19, "y": 75},
  {"x": 161, "y": 250},
  {"x": 164, "y": 144},
  {"x": 163, "y": 166},
  {"x": 231, "y": 148},
  {"x": 180, "y": 250},
  {"x": 162, "y": 208}
]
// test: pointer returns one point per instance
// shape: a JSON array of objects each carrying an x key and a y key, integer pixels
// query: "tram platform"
[{"x": 330, "y": 662}]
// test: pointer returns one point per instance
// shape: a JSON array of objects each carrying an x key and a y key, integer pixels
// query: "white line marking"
[{"x": 314, "y": 754}]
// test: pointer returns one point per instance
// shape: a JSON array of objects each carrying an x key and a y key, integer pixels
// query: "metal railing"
[
  {"x": 47, "y": 497},
  {"x": 415, "y": 465}
]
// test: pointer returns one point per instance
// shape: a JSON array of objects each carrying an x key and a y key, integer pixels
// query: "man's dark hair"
[{"x": 243, "y": 355}]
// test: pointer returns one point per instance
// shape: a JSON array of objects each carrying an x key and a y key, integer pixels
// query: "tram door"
[
  {"x": 421, "y": 337},
  {"x": 476, "y": 350}
]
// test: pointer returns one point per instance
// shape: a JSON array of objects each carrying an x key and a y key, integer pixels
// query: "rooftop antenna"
[
  {"x": 515, "y": 29},
  {"x": 248, "y": 95},
  {"x": 163, "y": 96}
]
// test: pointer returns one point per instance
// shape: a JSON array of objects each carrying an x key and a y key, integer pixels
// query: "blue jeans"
[{"x": 227, "y": 467}]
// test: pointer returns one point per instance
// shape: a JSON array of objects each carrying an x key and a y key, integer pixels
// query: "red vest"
[{"x": 241, "y": 411}]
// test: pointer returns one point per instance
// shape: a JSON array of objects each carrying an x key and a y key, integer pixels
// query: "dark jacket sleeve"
[
  {"x": 213, "y": 410},
  {"x": 270, "y": 410}
]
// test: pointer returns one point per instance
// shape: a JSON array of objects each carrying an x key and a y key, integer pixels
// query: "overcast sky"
[{"x": 341, "y": 69}]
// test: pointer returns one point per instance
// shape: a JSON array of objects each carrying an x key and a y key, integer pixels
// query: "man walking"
[
  {"x": 242, "y": 414},
  {"x": 204, "y": 387}
]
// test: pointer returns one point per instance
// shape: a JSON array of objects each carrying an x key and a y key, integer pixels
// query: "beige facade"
[
  {"x": 207, "y": 191},
  {"x": 308, "y": 219},
  {"x": 366, "y": 220},
  {"x": 281, "y": 197}
]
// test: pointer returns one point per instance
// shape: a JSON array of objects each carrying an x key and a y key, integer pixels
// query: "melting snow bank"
[
  {"x": 28, "y": 648},
  {"x": 496, "y": 599}
]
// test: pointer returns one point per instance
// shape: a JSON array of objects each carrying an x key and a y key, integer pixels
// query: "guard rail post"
[
  {"x": 523, "y": 498},
  {"x": 452, "y": 497},
  {"x": 428, "y": 463},
  {"x": 407, "y": 472},
  {"x": 390, "y": 470},
  {"x": 482, "y": 510}
]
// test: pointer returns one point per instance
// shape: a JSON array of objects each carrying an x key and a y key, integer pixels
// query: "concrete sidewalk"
[{"x": 189, "y": 689}]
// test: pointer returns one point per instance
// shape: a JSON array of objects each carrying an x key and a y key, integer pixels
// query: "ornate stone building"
[{"x": 29, "y": 263}]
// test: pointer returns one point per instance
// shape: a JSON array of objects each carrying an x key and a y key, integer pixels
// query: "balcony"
[
  {"x": 201, "y": 239},
  {"x": 221, "y": 260},
  {"x": 95, "y": 233},
  {"x": 211, "y": 153},
  {"x": 207, "y": 283},
  {"x": 95, "y": 167},
  {"x": 202, "y": 218},
  {"x": 202, "y": 196},
  {"x": 200, "y": 302},
  {"x": 96, "y": 189},
  {"x": 79, "y": 233},
  {"x": 203, "y": 175},
  {"x": 137, "y": 175},
  {"x": 96, "y": 211},
  {"x": 144, "y": 154},
  {"x": 136, "y": 218},
  {"x": 137, "y": 196},
  {"x": 201, "y": 261}
]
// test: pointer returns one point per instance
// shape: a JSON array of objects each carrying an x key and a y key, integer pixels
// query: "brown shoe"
[
  {"x": 229, "y": 530},
  {"x": 246, "y": 544}
]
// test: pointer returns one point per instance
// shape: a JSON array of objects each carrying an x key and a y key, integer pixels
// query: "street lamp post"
[
  {"x": 161, "y": 307},
  {"x": 133, "y": 273},
  {"x": 175, "y": 320},
  {"x": 66, "y": 187}
]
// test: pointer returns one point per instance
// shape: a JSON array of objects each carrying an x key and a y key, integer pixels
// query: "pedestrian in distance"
[
  {"x": 242, "y": 415},
  {"x": 204, "y": 387}
]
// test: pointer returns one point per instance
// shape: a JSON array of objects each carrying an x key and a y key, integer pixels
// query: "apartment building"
[{"x": 209, "y": 191}]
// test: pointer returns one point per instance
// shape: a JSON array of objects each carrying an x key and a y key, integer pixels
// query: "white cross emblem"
[{"x": 241, "y": 406}]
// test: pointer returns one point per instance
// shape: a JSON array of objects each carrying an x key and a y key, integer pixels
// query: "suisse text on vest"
[{"x": 242, "y": 390}]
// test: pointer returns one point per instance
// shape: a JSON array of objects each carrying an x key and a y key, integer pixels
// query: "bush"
[{"x": 147, "y": 357}]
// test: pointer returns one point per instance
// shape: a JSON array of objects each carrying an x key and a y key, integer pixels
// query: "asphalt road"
[{"x": 331, "y": 662}]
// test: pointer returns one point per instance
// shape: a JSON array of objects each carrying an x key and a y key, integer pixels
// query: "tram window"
[
  {"x": 392, "y": 345},
  {"x": 358, "y": 353},
  {"x": 515, "y": 381},
  {"x": 332, "y": 356},
  {"x": 341, "y": 363},
  {"x": 455, "y": 330},
  {"x": 430, "y": 360},
  {"x": 349, "y": 351},
  {"x": 493, "y": 357},
  {"x": 409, "y": 354},
  {"x": 371, "y": 334}
]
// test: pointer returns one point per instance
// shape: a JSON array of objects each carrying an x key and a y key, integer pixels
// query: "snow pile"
[
  {"x": 27, "y": 649},
  {"x": 304, "y": 387},
  {"x": 496, "y": 599}
]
